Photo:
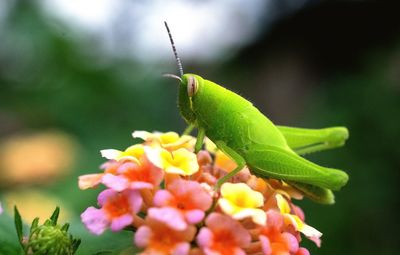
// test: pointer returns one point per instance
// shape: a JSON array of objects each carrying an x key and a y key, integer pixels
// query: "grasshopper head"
[{"x": 189, "y": 87}]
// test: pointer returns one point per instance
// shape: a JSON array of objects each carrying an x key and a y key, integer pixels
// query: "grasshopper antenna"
[
  {"x": 173, "y": 76},
  {"x": 178, "y": 60}
]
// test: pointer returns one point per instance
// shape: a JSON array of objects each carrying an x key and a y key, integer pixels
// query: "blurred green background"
[{"x": 72, "y": 85}]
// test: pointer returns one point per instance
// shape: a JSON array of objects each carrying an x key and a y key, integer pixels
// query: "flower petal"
[
  {"x": 257, "y": 215},
  {"x": 120, "y": 222},
  {"x": 194, "y": 216},
  {"x": 110, "y": 153},
  {"x": 95, "y": 220},
  {"x": 163, "y": 198},
  {"x": 291, "y": 242},
  {"x": 182, "y": 248},
  {"x": 89, "y": 181},
  {"x": 144, "y": 135},
  {"x": 282, "y": 204},
  {"x": 169, "y": 216},
  {"x": 204, "y": 237},
  {"x": 115, "y": 182},
  {"x": 312, "y": 234},
  {"x": 105, "y": 195},
  {"x": 265, "y": 245},
  {"x": 142, "y": 236}
]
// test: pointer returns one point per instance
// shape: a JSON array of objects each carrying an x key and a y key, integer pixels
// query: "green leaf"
[
  {"x": 18, "y": 225},
  {"x": 54, "y": 216},
  {"x": 75, "y": 244},
  {"x": 35, "y": 223},
  {"x": 65, "y": 227}
]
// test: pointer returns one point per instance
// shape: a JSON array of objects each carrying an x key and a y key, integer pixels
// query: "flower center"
[{"x": 117, "y": 206}]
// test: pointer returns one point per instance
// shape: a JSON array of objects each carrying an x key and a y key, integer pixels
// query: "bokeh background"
[{"x": 77, "y": 77}]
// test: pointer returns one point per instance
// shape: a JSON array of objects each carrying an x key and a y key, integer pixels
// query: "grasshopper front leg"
[
  {"x": 239, "y": 160},
  {"x": 188, "y": 129},
  {"x": 199, "y": 140},
  {"x": 304, "y": 141}
]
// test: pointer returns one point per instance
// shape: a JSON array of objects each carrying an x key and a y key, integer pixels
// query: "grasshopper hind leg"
[
  {"x": 317, "y": 194},
  {"x": 305, "y": 140},
  {"x": 278, "y": 163}
]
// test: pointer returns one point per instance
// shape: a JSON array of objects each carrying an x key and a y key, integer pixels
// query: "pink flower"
[
  {"x": 117, "y": 211},
  {"x": 223, "y": 235},
  {"x": 1, "y": 209},
  {"x": 131, "y": 175},
  {"x": 188, "y": 197},
  {"x": 161, "y": 236}
]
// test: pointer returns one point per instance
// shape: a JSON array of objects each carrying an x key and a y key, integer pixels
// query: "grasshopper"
[{"x": 250, "y": 139}]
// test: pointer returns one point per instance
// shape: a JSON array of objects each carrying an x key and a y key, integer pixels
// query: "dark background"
[{"x": 328, "y": 63}]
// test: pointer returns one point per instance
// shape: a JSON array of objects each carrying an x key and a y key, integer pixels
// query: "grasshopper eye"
[{"x": 192, "y": 86}]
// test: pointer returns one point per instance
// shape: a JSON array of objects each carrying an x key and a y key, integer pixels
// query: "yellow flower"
[
  {"x": 181, "y": 161},
  {"x": 170, "y": 140},
  {"x": 132, "y": 153},
  {"x": 240, "y": 201},
  {"x": 294, "y": 220}
]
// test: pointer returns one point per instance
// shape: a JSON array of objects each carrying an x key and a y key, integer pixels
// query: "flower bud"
[{"x": 49, "y": 238}]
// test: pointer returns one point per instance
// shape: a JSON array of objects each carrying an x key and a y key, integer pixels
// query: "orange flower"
[
  {"x": 159, "y": 237},
  {"x": 223, "y": 235}
]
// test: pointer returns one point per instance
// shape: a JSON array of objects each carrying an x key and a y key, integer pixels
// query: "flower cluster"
[{"x": 169, "y": 196}]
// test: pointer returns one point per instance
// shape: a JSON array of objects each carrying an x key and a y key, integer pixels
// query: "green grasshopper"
[{"x": 249, "y": 138}]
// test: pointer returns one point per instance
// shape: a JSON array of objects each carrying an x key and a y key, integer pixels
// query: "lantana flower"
[
  {"x": 132, "y": 153},
  {"x": 134, "y": 176},
  {"x": 240, "y": 201},
  {"x": 188, "y": 197},
  {"x": 92, "y": 180},
  {"x": 276, "y": 238},
  {"x": 223, "y": 235},
  {"x": 181, "y": 161},
  {"x": 159, "y": 236},
  {"x": 293, "y": 219},
  {"x": 169, "y": 195},
  {"x": 169, "y": 140},
  {"x": 117, "y": 211}
]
